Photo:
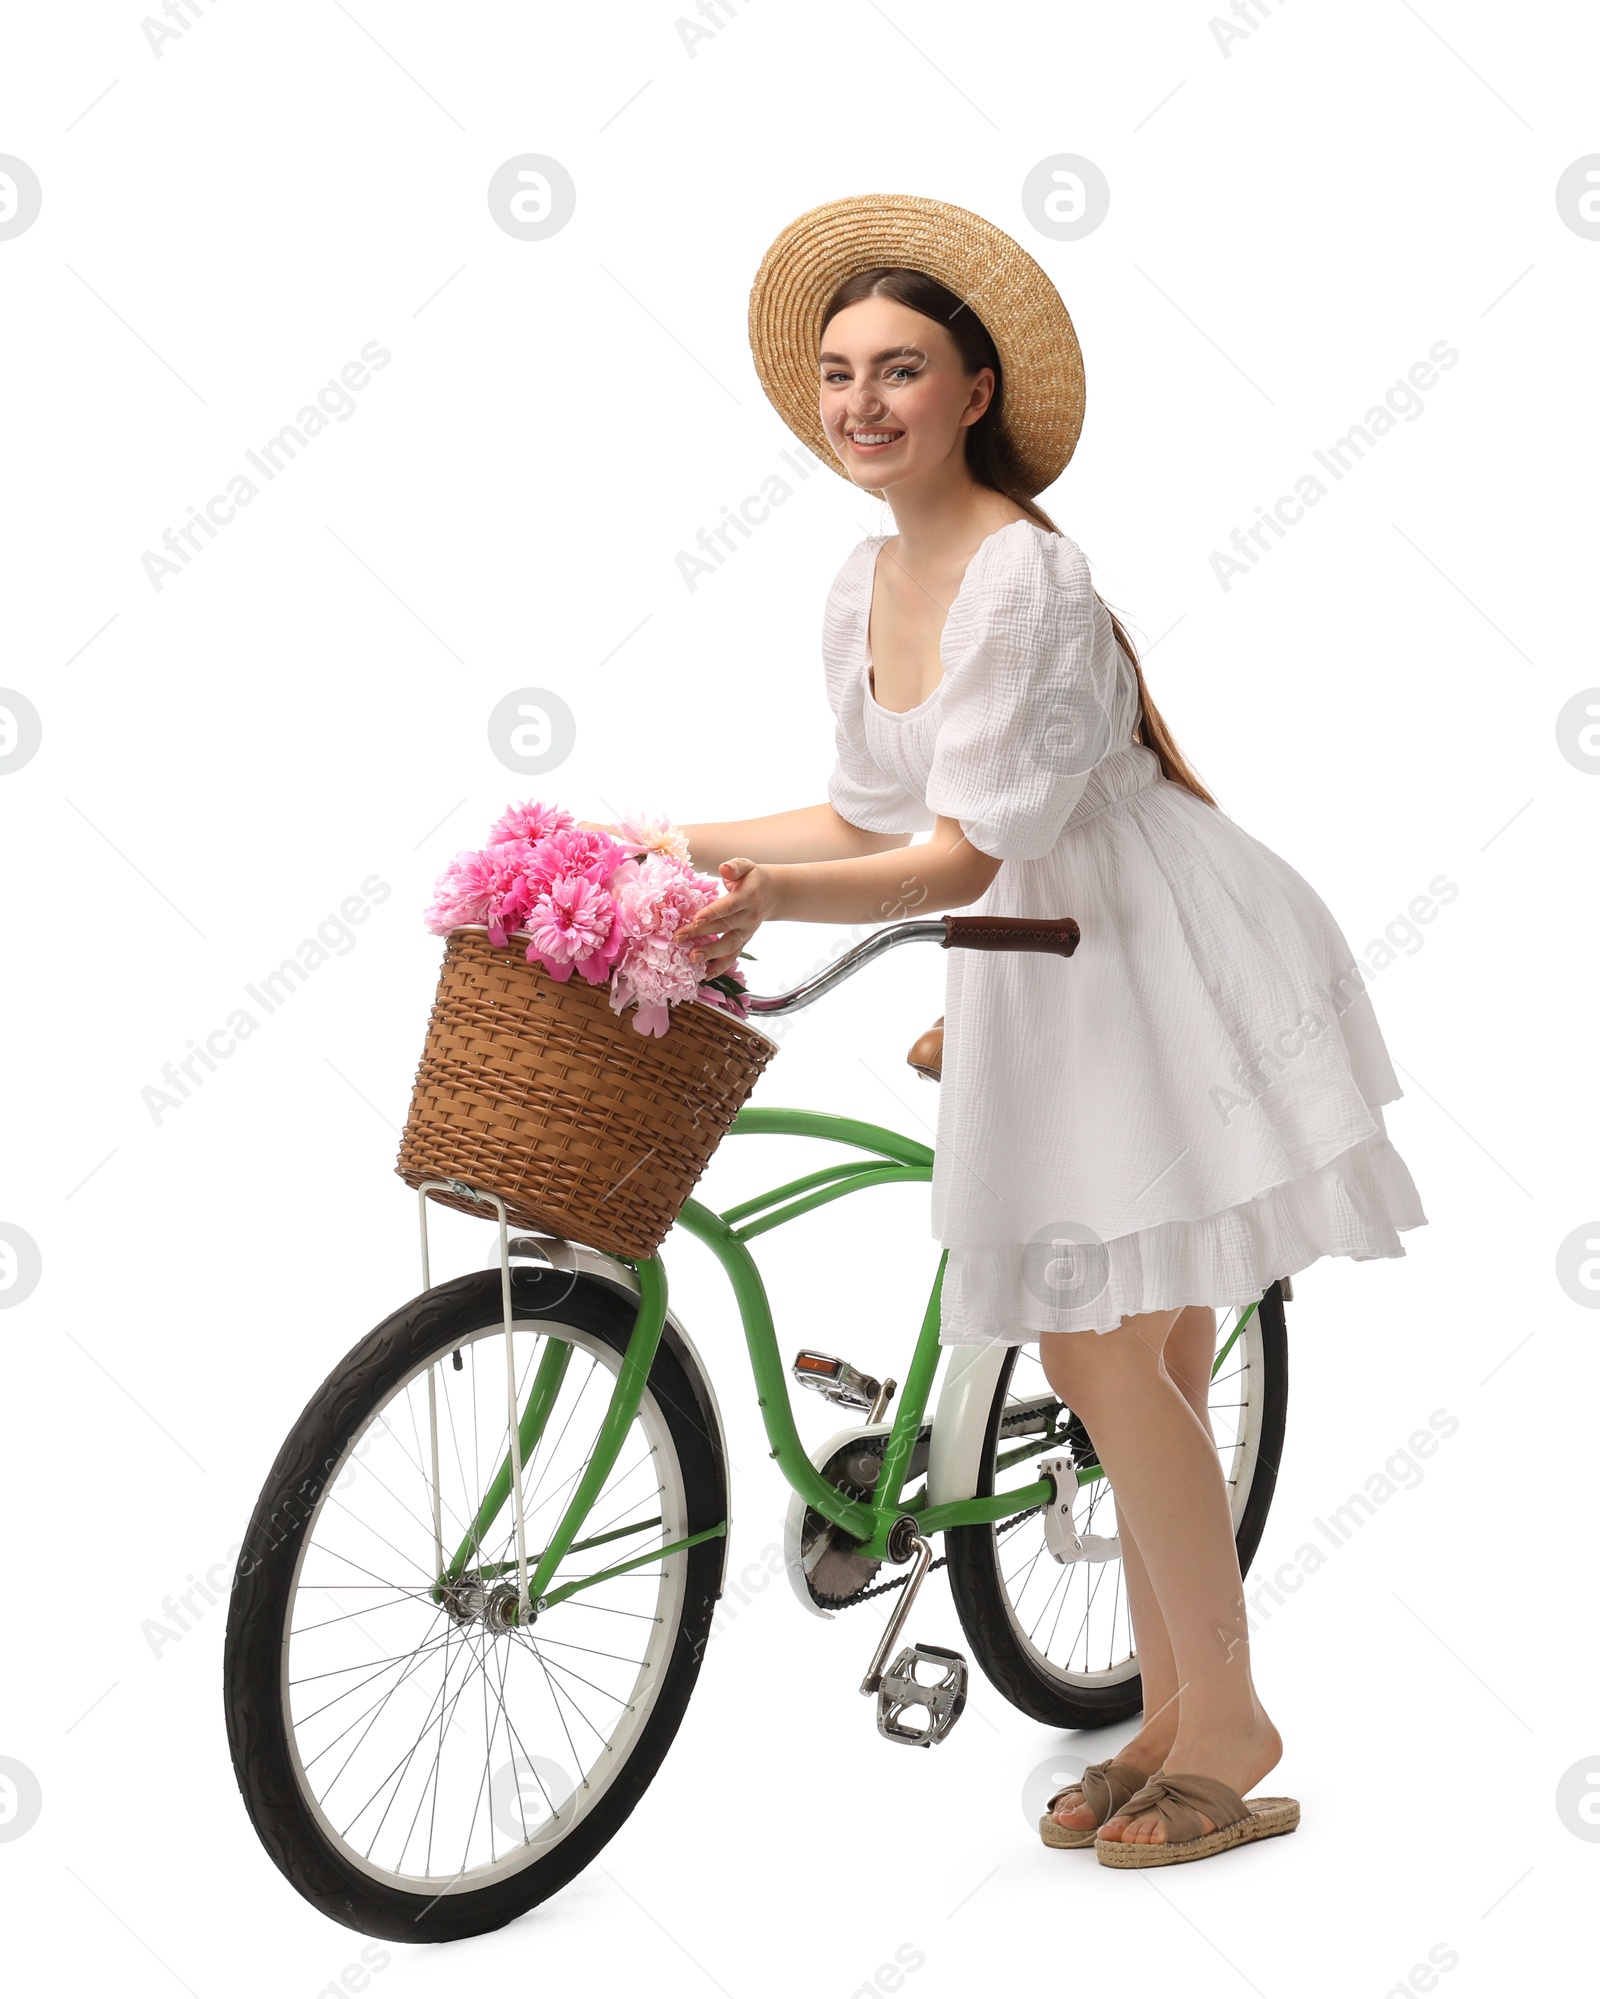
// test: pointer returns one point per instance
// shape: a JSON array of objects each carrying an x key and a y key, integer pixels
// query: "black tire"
[
  {"x": 1008, "y": 1660},
  {"x": 264, "y": 1760}
]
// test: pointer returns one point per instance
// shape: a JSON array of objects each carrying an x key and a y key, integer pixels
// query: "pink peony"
[
  {"x": 574, "y": 923},
  {"x": 653, "y": 833},
  {"x": 573, "y": 851},
  {"x": 529, "y": 821},
  {"x": 486, "y": 887},
  {"x": 655, "y": 896},
  {"x": 658, "y": 894},
  {"x": 654, "y": 974}
]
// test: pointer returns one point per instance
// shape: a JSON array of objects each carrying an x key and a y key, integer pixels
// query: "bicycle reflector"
[{"x": 836, "y": 1379}]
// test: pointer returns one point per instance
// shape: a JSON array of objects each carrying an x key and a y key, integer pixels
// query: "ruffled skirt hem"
[{"x": 1356, "y": 1205}]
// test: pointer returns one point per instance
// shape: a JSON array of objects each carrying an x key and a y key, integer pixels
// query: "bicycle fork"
[
  {"x": 506, "y": 1607},
  {"x": 512, "y": 1424}
]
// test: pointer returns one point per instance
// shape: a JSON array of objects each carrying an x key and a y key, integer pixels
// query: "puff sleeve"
[
  {"x": 1027, "y": 711},
  {"x": 858, "y": 789}
]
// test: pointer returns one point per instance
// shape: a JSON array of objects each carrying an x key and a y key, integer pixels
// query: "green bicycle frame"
[{"x": 890, "y": 1158}]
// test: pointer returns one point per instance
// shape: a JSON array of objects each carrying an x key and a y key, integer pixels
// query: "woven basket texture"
[{"x": 537, "y": 1091}]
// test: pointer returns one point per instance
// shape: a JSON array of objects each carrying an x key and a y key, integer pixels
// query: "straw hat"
[{"x": 1042, "y": 366}]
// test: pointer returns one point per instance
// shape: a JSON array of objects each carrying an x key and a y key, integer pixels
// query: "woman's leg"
[
  {"x": 1158, "y": 1670},
  {"x": 1187, "y": 1355},
  {"x": 1160, "y": 1457}
]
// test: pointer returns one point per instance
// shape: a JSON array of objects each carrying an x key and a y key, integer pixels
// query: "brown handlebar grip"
[{"x": 1012, "y": 933}]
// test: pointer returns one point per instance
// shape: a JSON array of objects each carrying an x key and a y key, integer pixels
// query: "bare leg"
[
  {"x": 1161, "y": 1459},
  {"x": 1187, "y": 1356}
]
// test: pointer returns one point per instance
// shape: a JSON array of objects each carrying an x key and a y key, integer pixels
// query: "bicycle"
[{"x": 474, "y": 1595}]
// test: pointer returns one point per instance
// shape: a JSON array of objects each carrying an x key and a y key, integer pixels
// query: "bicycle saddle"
[{"x": 926, "y": 1055}]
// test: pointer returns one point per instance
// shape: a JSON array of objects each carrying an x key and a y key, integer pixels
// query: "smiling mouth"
[{"x": 874, "y": 440}]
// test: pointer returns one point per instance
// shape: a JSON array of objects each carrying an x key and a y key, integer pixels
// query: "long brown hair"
[{"x": 993, "y": 463}]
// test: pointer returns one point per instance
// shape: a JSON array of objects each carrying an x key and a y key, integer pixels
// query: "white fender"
[{"x": 955, "y": 1450}]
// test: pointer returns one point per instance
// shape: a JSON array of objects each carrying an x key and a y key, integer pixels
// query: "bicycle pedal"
[
  {"x": 1061, "y": 1536},
  {"x": 900, "y": 1690},
  {"x": 836, "y": 1379}
]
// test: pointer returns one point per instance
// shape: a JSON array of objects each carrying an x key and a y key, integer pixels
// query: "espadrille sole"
[
  {"x": 1120, "y": 1783},
  {"x": 1268, "y": 1817}
]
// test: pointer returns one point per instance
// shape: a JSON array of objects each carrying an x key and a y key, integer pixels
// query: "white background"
[{"x": 1293, "y": 223}]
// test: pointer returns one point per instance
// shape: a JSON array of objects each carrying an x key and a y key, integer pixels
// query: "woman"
[{"x": 1187, "y": 1111}]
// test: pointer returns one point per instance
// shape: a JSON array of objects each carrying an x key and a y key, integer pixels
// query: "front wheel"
[
  {"x": 1056, "y": 1638},
  {"x": 418, "y": 1770}
]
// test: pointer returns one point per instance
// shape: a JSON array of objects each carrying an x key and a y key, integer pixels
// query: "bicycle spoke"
[
  {"x": 570, "y": 1645},
  {"x": 421, "y": 1568},
  {"x": 427, "y": 1481},
  {"x": 513, "y": 1736},
  {"x": 412, "y": 1662},
  {"x": 1060, "y": 1582},
  {"x": 465, "y": 1646},
  {"x": 612, "y": 1610},
  {"x": 550, "y": 1686},
  {"x": 572, "y": 1673},
  {"x": 419, "y": 1597},
  {"x": 378, "y": 1582},
  {"x": 418, "y": 1660},
  {"x": 423, "y": 1657},
  {"x": 572, "y": 1699}
]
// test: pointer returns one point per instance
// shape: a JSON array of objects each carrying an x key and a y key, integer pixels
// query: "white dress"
[{"x": 1188, "y": 1107}]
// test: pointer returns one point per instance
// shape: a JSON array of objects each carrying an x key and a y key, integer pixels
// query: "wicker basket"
[{"x": 537, "y": 1091}]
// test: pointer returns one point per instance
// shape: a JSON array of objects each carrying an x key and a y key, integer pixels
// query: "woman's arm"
[
  {"x": 944, "y": 872},
  {"x": 809, "y": 833}
]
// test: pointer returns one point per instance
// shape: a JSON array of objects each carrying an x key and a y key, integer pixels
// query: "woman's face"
[{"x": 894, "y": 398}]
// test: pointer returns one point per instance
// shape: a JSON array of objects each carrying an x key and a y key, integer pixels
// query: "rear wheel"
[
  {"x": 417, "y": 1769},
  {"x": 1056, "y": 1638}
]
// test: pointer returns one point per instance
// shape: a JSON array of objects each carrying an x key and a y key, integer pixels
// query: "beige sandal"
[
  {"x": 1180, "y": 1800},
  {"x": 1103, "y": 1787}
]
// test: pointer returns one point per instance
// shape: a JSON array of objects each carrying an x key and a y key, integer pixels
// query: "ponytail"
[{"x": 1150, "y": 730}]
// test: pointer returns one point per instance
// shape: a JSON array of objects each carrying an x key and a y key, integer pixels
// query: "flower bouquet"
[
  {"x": 566, "y": 1098},
  {"x": 607, "y": 905}
]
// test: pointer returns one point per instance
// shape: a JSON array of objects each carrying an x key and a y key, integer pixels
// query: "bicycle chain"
[{"x": 899, "y": 1582}]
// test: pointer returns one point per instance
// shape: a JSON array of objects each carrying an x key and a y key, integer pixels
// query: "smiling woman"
[{"x": 1086, "y": 1193}]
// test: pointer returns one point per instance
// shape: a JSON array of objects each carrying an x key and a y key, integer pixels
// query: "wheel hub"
[{"x": 468, "y": 1601}]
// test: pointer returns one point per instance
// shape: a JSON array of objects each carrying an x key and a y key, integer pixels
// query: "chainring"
[{"x": 835, "y": 1575}]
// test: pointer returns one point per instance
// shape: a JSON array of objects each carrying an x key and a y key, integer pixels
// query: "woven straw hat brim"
[{"x": 1040, "y": 360}]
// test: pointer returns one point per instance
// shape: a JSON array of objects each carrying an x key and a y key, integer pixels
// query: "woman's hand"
[{"x": 727, "y": 925}]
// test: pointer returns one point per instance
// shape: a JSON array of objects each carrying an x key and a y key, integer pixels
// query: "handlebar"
[{"x": 1058, "y": 935}]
